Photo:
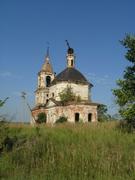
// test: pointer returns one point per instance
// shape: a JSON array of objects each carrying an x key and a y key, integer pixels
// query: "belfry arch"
[{"x": 48, "y": 81}]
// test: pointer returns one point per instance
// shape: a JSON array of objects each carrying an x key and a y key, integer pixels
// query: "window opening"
[
  {"x": 48, "y": 81},
  {"x": 76, "y": 117}
]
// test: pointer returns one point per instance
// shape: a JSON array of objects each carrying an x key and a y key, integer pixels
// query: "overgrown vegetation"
[
  {"x": 61, "y": 119},
  {"x": 102, "y": 113},
  {"x": 2, "y": 102},
  {"x": 80, "y": 151},
  {"x": 67, "y": 95},
  {"x": 125, "y": 93},
  {"x": 41, "y": 118}
]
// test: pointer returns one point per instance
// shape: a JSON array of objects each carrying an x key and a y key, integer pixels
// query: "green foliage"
[
  {"x": 41, "y": 118},
  {"x": 102, "y": 113},
  {"x": 125, "y": 93},
  {"x": 125, "y": 126},
  {"x": 3, "y": 102},
  {"x": 68, "y": 151},
  {"x": 3, "y": 133},
  {"x": 62, "y": 119},
  {"x": 67, "y": 95}
]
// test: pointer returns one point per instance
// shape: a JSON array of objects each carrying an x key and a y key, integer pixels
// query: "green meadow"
[{"x": 99, "y": 151}]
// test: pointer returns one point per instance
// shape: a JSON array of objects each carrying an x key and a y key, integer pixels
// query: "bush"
[
  {"x": 102, "y": 113},
  {"x": 41, "y": 118},
  {"x": 62, "y": 119},
  {"x": 67, "y": 95}
]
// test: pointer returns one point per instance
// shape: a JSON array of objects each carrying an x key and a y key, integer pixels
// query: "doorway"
[
  {"x": 76, "y": 117},
  {"x": 89, "y": 117}
]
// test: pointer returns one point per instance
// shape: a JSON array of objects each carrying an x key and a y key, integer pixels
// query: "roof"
[
  {"x": 59, "y": 103},
  {"x": 47, "y": 67},
  {"x": 71, "y": 75}
]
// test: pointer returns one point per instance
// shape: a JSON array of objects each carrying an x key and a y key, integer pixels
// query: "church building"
[{"x": 51, "y": 87}]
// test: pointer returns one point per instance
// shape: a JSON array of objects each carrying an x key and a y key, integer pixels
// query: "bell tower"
[
  {"x": 45, "y": 77},
  {"x": 70, "y": 57}
]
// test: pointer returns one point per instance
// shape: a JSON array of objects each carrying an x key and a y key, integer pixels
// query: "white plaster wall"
[
  {"x": 41, "y": 96},
  {"x": 78, "y": 89},
  {"x": 41, "y": 79}
]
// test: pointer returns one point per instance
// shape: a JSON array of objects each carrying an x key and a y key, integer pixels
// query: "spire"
[
  {"x": 47, "y": 67},
  {"x": 47, "y": 52},
  {"x": 70, "y": 56}
]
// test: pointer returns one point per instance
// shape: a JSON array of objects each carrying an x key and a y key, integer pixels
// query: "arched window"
[
  {"x": 48, "y": 80},
  {"x": 89, "y": 117},
  {"x": 76, "y": 117}
]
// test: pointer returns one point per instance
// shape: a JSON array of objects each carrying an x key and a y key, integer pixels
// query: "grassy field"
[{"x": 67, "y": 152}]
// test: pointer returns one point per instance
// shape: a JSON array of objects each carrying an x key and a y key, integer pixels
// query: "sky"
[{"x": 93, "y": 28}]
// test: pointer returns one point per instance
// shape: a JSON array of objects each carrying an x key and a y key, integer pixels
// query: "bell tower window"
[{"x": 48, "y": 81}]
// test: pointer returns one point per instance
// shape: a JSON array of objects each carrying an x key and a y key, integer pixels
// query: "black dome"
[
  {"x": 70, "y": 51},
  {"x": 70, "y": 75}
]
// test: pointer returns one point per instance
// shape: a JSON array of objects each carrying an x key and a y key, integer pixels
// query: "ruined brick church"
[{"x": 50, "y": 85}]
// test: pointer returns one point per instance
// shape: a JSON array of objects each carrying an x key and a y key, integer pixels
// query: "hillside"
[{"x": 63, "y": 152}]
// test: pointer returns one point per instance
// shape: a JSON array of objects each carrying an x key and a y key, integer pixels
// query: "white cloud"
[
  {"x": 6, "y": 74},
  {"x": 104, "y": 80}
]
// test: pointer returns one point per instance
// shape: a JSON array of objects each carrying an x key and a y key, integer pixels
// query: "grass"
[{"x": 69, "y": 152}]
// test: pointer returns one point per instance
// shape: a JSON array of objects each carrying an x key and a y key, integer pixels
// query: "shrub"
[
  {"x": 102, "y": 113},
  {"x": 68, "y": 95},
  {"x": 41, "y": 118},
  {"x": 61, "y": 119}
]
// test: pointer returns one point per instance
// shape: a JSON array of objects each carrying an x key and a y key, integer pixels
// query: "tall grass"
[{"x": 69, "y": 152}]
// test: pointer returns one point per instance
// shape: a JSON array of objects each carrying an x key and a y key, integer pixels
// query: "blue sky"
[{"x": 92, "y": 27}]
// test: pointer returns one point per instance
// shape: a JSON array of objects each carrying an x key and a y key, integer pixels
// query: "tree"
[
  {"x": 68, "y": 95},
  {"x": 41, "y": 118},
  {"x": 125, "y": 93},
  {"x": 102, "y": 113}
]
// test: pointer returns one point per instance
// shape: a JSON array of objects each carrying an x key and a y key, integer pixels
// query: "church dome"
[{"x": 70, "y": 75}]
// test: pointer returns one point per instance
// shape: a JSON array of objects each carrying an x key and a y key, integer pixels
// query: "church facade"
[{"x": 51, "y": 86}]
